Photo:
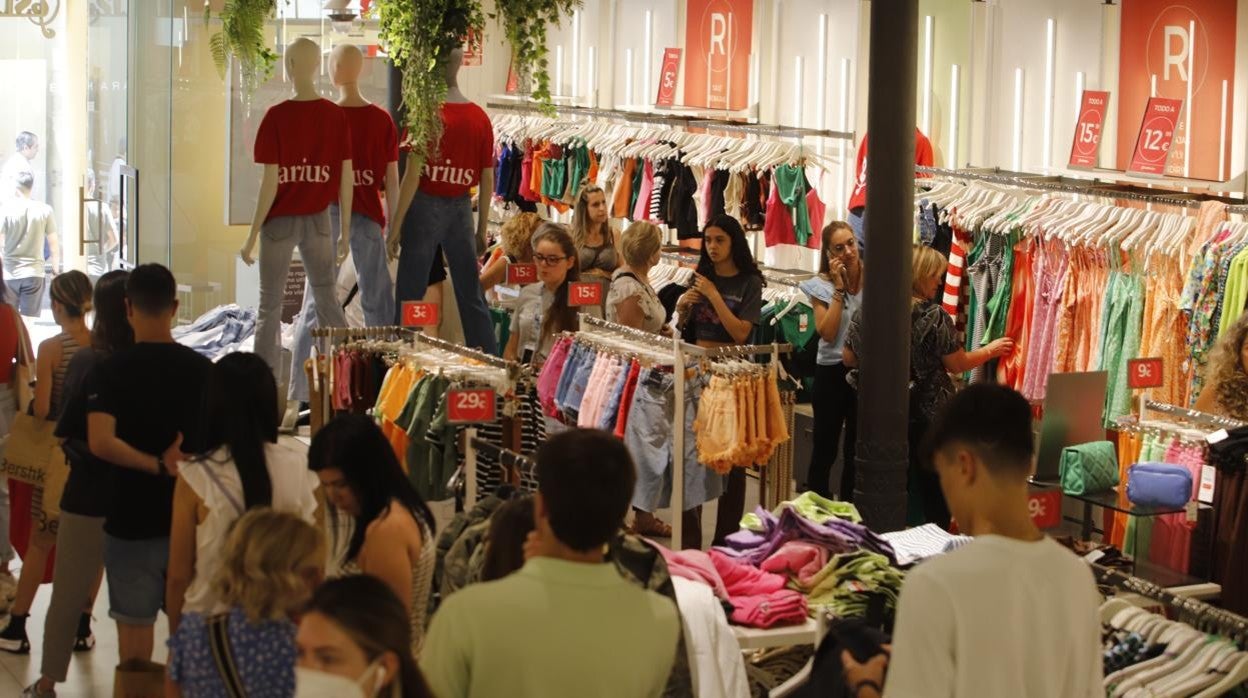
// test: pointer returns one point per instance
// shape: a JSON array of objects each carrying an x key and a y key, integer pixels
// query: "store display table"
[{"x": 785, "y": 636}]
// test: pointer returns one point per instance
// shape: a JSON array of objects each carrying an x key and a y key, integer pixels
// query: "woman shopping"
[
  {"x": 722, "y": 307},
  {"x": 14, "y": 345},
  {"x": 836, "y": 294},
  {"x": 391, "y": 527},
  {"x": 244, "y": 467},
  {"x": 516, "y": 246},
  {"x": 71, "y": 301},
  {"x": 934, "y": 353},
  {"x": 543, "y": 309},
  {"x": 79, "y": 567},
  {"x": 593, "y": 235}
]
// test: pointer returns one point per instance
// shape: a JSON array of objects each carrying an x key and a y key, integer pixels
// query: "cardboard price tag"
[
  {"x": 420, "y": 314},
  {"x": 1157, "y": 129},
  {"x": 471, "y": 405},
  {"x": 1045, "y": 508},
  {"x": 584, "y": 293},
  {"x": 1145, "y": 373},
  {"x": 521, "y": 273},
  {"x": 1087, "y": 145},
  {"x": 669, "y": 72}
]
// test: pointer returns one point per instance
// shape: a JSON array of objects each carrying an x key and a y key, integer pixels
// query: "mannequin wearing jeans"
[
  {"x": 301, "y": 169},
  {"x": 375, "y": 159},
  {"x": 438, "y": 207}
]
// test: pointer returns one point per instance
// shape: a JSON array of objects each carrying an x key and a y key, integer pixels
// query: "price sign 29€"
[
  {"x": 470, "y": 406},
  {"x": 1152, "y": 146}
]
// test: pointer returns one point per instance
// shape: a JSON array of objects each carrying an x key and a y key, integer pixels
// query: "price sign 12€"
[
  {"x": 585, "y": 293},
  {"x": 470, "y": 406},
  {"x": 1152, "y": 145},
  {"x": 420, "y": 314}
]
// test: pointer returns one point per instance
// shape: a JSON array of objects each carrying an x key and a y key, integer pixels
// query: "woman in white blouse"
[{"x": 630, "y": 299}]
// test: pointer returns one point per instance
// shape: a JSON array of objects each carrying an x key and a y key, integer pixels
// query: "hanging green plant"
[
  {"x": 242, "y": 38},
  {"x": 419, "y": 36},
  {"x": 525, "y": 22}
]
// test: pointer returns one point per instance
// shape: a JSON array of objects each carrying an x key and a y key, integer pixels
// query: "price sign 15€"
[
  {"x": 1145, "y": 373},
  {"x": 521, "y": 273},
  {"x": 1152, "y": 145},
  {"x": 470, "y": 406},
  {"x": 584, "y": 293},
  {"x": 1087, "y": 145},
  {"x": 420, "y": 314}
]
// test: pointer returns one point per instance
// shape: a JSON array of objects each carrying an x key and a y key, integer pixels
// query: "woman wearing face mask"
[
  {"x": 836, "y": 294},
  {"x": 593, "y": 234},
  {"x": 934, "y": 353},
  {"x": 723, "y": 305},
  {"x": 272, "y": 563},
  {"x": 352, "y": 642},
  {"x": 543, "y": 310},
  {"x": 392, "y": 531}
]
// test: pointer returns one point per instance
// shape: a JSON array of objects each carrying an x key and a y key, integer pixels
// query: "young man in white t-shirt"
[{"x": 1011, "y": 614}]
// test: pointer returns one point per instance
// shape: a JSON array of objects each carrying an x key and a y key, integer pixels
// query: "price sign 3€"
[{"x": 420, "y": 314}]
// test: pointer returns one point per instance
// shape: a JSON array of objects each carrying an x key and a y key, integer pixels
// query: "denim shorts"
[
  {"x": 650, "y": 440},
  {"x": 136, "y": 578}
]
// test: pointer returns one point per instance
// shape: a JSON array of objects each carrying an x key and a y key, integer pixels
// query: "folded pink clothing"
[
  {"x": 802, "y": 560},
  {"x": 743, "y": 579},
  {"x": 786, "y": 607},
  {"x": 695, "y": 565}
]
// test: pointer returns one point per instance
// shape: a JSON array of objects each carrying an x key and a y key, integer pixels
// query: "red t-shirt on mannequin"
[
  {"x": 308, "y": 142},
  {"x": 374, "y": 145},
  {"x": 923, "y": 155},
  {"x": 467, "y": 147}
]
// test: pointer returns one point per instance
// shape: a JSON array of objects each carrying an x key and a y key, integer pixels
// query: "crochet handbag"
[
  {"x": 1159, "y": 485},
  {"x": 1089, "y": 468}
]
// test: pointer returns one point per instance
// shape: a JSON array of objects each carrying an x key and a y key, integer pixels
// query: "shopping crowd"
[{"x": 284, "y": 573}]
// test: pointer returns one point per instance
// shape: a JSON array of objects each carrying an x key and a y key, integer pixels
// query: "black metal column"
[{"x": 883, "y": 397}]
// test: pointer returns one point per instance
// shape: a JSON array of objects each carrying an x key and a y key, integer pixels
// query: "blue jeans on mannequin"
[
  {"x": 278, "y": 239},
  {"x": 368, "y": 253},
  {"x": 434, "y": 220}
]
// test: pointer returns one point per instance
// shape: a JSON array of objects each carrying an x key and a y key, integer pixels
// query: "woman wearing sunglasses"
[{"x": 543, "y": 309}]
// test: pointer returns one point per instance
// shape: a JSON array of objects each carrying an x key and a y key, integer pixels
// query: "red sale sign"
[
  {"x": 1087, "y": 145},
  {"x": 521, "y": 274},
  {"x": 1152, "y": 145},
  {"x": 419, "y": 314},
  {"x": 474, "y": 48},
  {"x": 469, "y": 406},
  {"x": 584, "y": 293},
  {"x": 1045, "y": 508},
  {"x": 669, "y": 74},
  {"x": 1145, "y": 373}
]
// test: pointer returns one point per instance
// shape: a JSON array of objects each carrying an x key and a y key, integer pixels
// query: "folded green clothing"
[
  {"x": 809, "y": 506},
  {"x": 843, "y": 586}
]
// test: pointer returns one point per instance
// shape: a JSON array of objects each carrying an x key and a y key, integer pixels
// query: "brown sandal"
[{"x": 647, "y": 524}]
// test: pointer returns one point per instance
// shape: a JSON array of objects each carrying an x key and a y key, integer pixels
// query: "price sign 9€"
[
  {"x": 419, "y": 314},
  {"x": 470, "y": 406},
  {"x": 1045, "y": 508},
  {"x": 585, "y": 293},
  {"x": 1145, "y": 373}
]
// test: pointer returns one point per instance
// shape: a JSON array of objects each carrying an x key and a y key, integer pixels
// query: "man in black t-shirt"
[{"x": 144, "y": 409}]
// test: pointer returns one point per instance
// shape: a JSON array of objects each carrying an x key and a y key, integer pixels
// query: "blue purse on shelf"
[{"x": 1159, "y": 485}]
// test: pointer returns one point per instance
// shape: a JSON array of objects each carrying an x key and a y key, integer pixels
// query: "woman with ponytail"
[
  {"x": 242, "y": 468},
  {"x": 543, "y": 310}
]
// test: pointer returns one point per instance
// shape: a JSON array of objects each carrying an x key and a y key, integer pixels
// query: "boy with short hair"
[
  {"x": 1012, "y": 613},
  {"x": 566, "y": 623}
]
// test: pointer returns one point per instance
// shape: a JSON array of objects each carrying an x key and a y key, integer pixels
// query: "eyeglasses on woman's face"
[{"x": 548, "y": 260}]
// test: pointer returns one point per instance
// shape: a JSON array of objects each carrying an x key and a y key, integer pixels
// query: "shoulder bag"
[{"x": 223, "y": 655}]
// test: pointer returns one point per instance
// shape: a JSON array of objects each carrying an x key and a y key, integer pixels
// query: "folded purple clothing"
[{"x": 836, "y": 535}]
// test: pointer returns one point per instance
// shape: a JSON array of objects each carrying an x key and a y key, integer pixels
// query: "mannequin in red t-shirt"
[
  {"x": 435, "y": 208},
  {"x": 375, "y": 160},
  {"x": 304, "y": 144}
]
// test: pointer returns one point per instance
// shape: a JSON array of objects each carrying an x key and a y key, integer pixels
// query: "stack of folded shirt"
[
  {"x": 809, "y": 506},
  {"x": 759, "y": 599},
  {"x": 835, "y": 534},
  {"x": 845, "y": 586},
  {"x": 800, "y": 560}
]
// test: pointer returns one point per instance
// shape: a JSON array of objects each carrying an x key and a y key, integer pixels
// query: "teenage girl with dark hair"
[
  {"x": 392, "y": 538},
  {"x": 723, "y": 305},
  {"x": 80, "y": 531},
  {"x": 242, "y": 468}
]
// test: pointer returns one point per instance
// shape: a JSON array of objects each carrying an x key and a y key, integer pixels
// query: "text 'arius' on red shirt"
[
  {"x": 307, "y": 140},
  {"x": 374, "y": 145},
  {"x": 467, "y": 147}
]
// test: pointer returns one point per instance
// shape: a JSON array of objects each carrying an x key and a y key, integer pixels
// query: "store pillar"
[{"x": 883, "y": 397}]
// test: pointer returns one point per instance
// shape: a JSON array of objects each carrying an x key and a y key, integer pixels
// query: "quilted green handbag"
[{"x": 1089, "y": 468}]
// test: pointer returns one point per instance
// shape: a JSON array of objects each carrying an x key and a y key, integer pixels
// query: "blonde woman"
[
  {"x": 631, "y": 299},
  {"x": 593, "y": 235},
  {"x": 516, "y": 246},
  {"x": 272, "y": 564},
  {"x": 1226, "y": 387},
  {"x": 934, "y": 353}
]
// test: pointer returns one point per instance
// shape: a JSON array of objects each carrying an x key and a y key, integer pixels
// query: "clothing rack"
[
  {"x": 1191, "y": 415},
  {"x": 1093, "y": 187},
  {"x": 507, "y": 458},
  {"x": 1197, "y": 613},
  {"x": 360, "y": 332},
  {"x": 513, "y": 368},
  {"x": 776, "y": 130}
]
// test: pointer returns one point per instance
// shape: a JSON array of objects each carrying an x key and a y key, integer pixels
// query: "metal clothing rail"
[
  {"x": 1192, "y": 415},
  {"x": 506, "y": 458},
  {"x": 776, "y": 130},
  {"x": 1198, "y": 614},
  {"x": 514, "y": 368},
  {"x": 360, "y": 332},
  {"x": 1093, "y": 187}
]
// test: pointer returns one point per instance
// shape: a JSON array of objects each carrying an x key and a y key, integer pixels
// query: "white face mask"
[{"x": 310, "y": 683}]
